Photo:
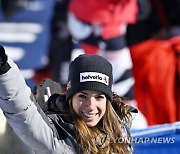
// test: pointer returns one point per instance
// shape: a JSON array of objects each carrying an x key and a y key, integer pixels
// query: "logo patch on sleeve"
[{"x": 94, "y": 76}]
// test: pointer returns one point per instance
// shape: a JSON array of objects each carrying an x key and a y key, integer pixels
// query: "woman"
[{"x": 82, "y": 120}]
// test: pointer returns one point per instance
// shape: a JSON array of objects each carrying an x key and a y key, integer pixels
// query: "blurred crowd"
[{"x": 140, "y": 38}]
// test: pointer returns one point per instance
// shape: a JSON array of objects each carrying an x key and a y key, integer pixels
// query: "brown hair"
[{"x": 108, "y": 136}]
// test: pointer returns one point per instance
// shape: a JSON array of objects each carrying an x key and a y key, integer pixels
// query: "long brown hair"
[{"x": 110, "y": 133}]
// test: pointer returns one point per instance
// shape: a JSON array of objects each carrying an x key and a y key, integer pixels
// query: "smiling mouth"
[{"x": 87, "y": 115}]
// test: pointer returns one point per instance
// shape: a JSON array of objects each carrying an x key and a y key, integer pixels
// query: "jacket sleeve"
[{"x": 22, "y": 114}]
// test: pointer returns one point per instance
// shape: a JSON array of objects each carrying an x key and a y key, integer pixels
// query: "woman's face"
[{"x": 90, "y": 106}]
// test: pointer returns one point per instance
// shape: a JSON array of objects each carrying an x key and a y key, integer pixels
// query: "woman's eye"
[
  {"x": 82, "y": 96},
  {"x": 100, "y": 97}
]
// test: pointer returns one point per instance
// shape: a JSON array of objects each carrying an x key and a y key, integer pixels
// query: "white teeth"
[{"x": 89, "y": 115}]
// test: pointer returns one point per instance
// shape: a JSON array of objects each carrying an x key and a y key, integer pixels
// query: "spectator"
[
  {"x": 154, "y": 42},
  {"x": 60, "y": 47}
]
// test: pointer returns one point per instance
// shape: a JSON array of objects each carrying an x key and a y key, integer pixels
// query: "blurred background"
[{"x": 27, "y": 35}]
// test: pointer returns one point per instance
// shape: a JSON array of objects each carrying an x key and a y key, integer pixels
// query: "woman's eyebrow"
[{"x": 84, "y": 93}]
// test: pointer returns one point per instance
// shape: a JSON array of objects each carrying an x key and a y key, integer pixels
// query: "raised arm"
[{"x": 21, "y": 112}]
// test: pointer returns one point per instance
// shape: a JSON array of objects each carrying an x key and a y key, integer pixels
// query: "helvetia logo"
[{"x": 94, "y": 76}]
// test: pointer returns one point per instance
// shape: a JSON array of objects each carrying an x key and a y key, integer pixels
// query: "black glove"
[
  {"x": 57, "y": 103},
  {"x": 39, "y": 91},
  {"x": 3, "y": 56}
]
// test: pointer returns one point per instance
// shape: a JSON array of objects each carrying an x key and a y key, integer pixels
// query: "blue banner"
[{"x": 159, "y": 139}]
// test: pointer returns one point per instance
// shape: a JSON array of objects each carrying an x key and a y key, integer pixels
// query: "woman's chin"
[{"x": 91, "y": 123}]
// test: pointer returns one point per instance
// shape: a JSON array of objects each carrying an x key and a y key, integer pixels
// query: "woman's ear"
[{"x": 70, "y": 102}]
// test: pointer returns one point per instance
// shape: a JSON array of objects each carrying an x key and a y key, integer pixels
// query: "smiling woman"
[
  {"x": 95, "y": 108},
  {"x": 88, "y": 118},
  {"x": 90, "y": 106}
]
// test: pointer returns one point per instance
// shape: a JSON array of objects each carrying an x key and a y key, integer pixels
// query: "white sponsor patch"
[{"x": 94, "y": 76}]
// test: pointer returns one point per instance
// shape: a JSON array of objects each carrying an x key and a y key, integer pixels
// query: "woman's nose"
[{"x": 91, "y": 103}]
